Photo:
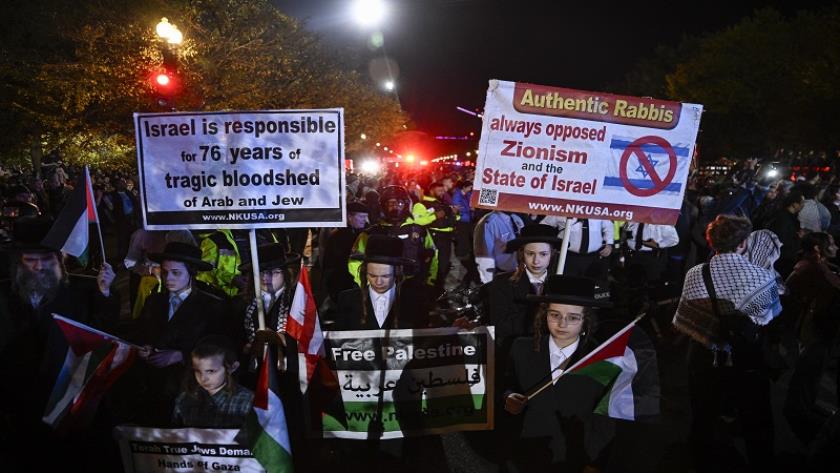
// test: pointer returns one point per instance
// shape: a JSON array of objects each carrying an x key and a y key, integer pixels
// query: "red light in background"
[
  {"x": 424, "y": 163},
  {"x": 164, "y": 81}
]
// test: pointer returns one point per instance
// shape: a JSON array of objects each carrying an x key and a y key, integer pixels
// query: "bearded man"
[{"x": 32, "y": 347}]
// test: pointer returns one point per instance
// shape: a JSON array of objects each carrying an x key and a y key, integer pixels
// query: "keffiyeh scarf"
[
  {"x": 763, "y": 249},
  {"x": 275, "y": 317},
  {"x": 743, "y": 289}
]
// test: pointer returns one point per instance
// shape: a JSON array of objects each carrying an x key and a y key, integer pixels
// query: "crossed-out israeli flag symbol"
[{"x": 639, "y": 175}]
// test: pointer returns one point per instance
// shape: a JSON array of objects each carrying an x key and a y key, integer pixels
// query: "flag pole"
[
  {"x": 586, "y": 357},
  {"x": 92, "y": 196},
  {"x": 564, "y": 247},
  {"x": 255, "y": 268}
]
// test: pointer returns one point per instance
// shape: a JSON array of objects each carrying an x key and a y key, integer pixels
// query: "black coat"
[
  {"x": 200, "y": 314},
  {"x": 336, "y": 253},
  {"x": 509, "y": 311},
  {"x": 562, "y": 412},
  {"x": 32, "y": 352},
  {"x": 31, "y": 344},
  {"x": 153, "y": 390},
  {"x": 786, "y": 226},
  {"x": 409, "y": 310}
]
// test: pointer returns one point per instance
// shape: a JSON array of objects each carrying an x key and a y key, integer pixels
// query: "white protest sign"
[
  {"x": 241, "y": 170},
  {"x": 409, "y": 382},
  {"x": 151, "y": 450},
  {"x": 554, "y": 151}
]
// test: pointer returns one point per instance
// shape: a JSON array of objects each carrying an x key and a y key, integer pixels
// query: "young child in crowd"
[{"x": 211, "y": 397}]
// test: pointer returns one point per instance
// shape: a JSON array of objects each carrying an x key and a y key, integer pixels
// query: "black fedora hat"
[
  {"x": 534, "y": 233},
  {"x": 573, "y": 290},
  {"x": 383, "y": 249},
  {"x": 272, "y": 256},
  {"x": 183, "y": 252},
  {"x": 357, "y": 207},
  {"x": 28, "y": 235}
]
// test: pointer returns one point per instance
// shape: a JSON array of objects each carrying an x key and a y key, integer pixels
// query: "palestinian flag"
[
  {"x": 265, "y": 432},
  {"x": 303, "y": 325},
  {"x": 626, "y": 365},
  {"x": 70, "y": 232},
  {"x": 94, "y": 361}
]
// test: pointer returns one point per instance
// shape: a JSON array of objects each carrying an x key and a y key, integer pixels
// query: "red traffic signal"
[
  {"x": 162, "y": 79},
  {"x": 164, "y": 82}
]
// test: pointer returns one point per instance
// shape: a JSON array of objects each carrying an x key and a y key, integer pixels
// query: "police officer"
[
  {"x": 441, "y": 217},
  {"x": 397, "y": 221}
]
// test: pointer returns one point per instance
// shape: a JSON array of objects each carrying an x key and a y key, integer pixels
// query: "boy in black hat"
[
  {"x": 172, "y": 322},
  {"x": 377, "y": 304},
  {"x": 277, "y": 278},
  {"x": 418, "y": 246},
  {"x": 510, "y": 312},
  {"x": 552, "y": 426}
]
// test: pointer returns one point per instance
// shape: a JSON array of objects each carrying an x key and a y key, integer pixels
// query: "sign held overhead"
[
  {"x": 241, "y": 170},
  {"x": 555, "y": 151}
]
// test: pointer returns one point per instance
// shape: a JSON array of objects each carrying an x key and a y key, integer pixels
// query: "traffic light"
[
  {"x": 163, "y": 80},
  {"x": 165, "y": 85}
]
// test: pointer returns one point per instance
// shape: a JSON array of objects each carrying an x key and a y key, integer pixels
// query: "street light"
[
  {"x": 169, "y": 32},
  {"x": 165, "y": 80},
  {"x": 370, "y": 166},
  {"x": 389, "y": 85},
  {"x": 163, "y": 28},
  {"x": 369, "y": 13}
]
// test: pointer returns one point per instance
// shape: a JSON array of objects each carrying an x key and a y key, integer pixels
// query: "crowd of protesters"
[{"x": 744, "y": 281}]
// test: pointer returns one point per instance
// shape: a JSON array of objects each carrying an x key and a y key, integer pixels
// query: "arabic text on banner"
[{"x": 416, "y": 382}]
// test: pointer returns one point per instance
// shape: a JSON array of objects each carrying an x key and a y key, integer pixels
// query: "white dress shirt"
[
  {"x": 601, "y": 232},
  {"x": 558, "y": 355},
  {"x": 267, "y": 300},
  {"x": 536, "y": 279},
  {"x": 381, "y": 303},
  {"x": 491, "y": 235},
  {"x": 664, "y": 235}
]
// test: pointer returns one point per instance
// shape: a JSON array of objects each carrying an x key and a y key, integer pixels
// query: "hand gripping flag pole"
[{"x": 614, "y": 346}]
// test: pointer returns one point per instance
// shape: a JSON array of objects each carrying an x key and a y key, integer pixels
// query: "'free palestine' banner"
[
  {"x": 241, "y": 170},
  {"x": 397, "y": 383}
]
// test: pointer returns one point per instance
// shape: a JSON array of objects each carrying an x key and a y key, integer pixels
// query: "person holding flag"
[
  {"x": 278, "y": 273},
  {"x": 170, "y": 325},
  {"x": 32, "y": 346},
  {"x": 555, "y": 411}
]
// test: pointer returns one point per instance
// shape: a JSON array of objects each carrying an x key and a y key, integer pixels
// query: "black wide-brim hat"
[
  {"x": 183, "y": 252},
  {"x": 385, "y": 250},
  {"x": 534, "y": 233},
  {"x": 357, "y": 207},
  {"x": 272, "y": 256},
  {"x": 573, "y": 290},
  {"x": 28, "y": 235}
]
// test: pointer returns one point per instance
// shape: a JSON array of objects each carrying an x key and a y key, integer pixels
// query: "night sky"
[{"x": 447, "y": 50}]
